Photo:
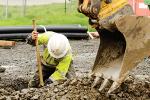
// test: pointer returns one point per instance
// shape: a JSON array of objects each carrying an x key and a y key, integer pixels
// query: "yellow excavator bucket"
[
  {"x": 123, "y": 49},
  {"x": 124, "y": 41}
]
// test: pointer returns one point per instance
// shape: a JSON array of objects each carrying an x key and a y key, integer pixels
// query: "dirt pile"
[{"x": 80, "y": 89}]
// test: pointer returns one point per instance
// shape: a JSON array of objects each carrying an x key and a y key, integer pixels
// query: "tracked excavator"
[{"x": 124, "y": 40}]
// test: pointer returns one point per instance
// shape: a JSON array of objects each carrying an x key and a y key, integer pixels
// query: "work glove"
[
  {"x": 48, "y": 81},
  {"x": 34, "y": 35},
  {"x": 31, "y": 38}
]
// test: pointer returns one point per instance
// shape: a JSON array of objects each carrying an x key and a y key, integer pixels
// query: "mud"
[{"x": 20, "y": 66}]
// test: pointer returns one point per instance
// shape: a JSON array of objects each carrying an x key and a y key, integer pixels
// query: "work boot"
[{"x": 48, "y": 81}]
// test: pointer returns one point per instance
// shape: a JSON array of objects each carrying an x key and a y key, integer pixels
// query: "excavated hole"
[{"x": 19, "y": 84}]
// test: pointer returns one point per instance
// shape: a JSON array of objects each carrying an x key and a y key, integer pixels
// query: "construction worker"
[{"x": 56, "y": 59}]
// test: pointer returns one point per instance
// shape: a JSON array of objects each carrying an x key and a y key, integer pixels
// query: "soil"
[{"x": 20, "y": 64}]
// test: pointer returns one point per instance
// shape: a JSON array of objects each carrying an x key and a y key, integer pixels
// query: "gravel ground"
[
  {"x": 20, "y": 61},
  {"x": 20, "y": 66}
]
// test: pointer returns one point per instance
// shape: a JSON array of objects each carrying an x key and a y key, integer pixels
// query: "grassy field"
[{"x": 45, "y": 15}]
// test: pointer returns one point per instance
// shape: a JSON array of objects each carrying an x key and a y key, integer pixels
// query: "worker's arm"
[
  {"x": 42, "y": 38},
  {"x": 62, "y": 68}
]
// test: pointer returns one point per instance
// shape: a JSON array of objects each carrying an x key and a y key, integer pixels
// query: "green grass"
[{"x": 52, "y": 14}]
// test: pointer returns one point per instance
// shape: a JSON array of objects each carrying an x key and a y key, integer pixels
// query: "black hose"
[
  {"x": 29, "y": 29},
  {"x": 23, "y": 36}
]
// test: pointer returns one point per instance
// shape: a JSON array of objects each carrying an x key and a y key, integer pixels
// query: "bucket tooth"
[
  {"x": 97, "y": 81},
  {"x": 113, "y": 87},
  {"x": 105, "y": 84}
]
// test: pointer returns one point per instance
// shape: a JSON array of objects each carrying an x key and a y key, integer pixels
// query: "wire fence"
[{"x": 22, "y": 5}]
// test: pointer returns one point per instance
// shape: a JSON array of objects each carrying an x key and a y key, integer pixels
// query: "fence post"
[
  {"x": 6, "y": 9},
  {"x": 65, "y": 7},
  {"x": 24, "y": 7},
  {"x": 70, "y": 3}
]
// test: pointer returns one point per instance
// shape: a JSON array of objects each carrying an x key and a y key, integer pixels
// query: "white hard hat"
[{"x": 58, "y": 45}]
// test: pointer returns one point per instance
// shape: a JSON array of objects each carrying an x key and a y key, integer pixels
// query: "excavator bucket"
[
  {"x": 124, "y": 40},
  {"x": 122, "y": 49}
]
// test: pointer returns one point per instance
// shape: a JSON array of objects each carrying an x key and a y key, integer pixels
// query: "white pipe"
[
  {"x": 90, "y": 35},
  {"x": 43, "y": 27}
]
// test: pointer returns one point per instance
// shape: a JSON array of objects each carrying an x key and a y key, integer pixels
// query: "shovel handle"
[
  {"x": 38, "y": 56},
  {"x": 34, "y": 25}
]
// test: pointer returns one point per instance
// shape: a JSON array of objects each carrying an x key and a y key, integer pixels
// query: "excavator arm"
[
  {"x": 104, "y": 12},
  {"x": 124, "y": 40}
]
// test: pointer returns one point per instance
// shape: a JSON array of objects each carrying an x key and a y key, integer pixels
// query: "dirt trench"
[{"x": 20, "y": 64}]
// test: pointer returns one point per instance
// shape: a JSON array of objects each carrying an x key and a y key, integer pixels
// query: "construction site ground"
[{"x": 20, "y": 62}]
